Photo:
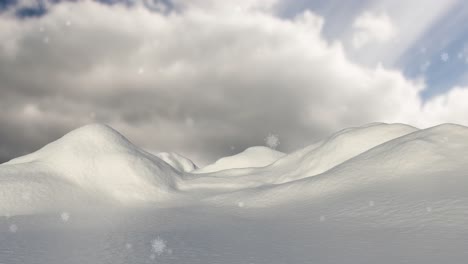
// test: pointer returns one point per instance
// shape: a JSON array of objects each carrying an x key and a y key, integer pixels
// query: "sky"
[{"x": 209, "y": 78}]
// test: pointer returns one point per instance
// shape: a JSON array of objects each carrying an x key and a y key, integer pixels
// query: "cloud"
[
  {"x": 370, "y": 27},
  {"x": 415, "y": 27},
  {"x": 201, "y": 81}
]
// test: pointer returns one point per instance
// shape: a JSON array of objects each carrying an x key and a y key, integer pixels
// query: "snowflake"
[
  {"x": 128, "y": 246},
  {"x": 429, "y": 209},
  {"x": 141, "y": 70},
  {"x": 460, "y": 55},
  {"x": 272, "y": 141},
  {"x": 65, "y": 216},
  {"x": 371, "y": 203},
  {"x": 158, "y": 245},
  {"x": 322, "y": 218},
  {"x": 46, "y": 40},
  {"x": 444, "y": 57},
  {"x": 240, "y": 204},
  {"x": 68, "y": 23},
  {"x": 13, "y": 228}
]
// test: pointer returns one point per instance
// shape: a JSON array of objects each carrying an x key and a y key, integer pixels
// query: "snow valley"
[{"x": 380, "y": 193}]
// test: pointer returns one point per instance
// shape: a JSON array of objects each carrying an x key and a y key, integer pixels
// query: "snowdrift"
[
  {"x": 250, "y": 158},
  {"x": 422, "y": 171},
  {"x": 95, "y": 163},
  {"x": 377, "y": 162},
  {"x": 177, "y": 161}
]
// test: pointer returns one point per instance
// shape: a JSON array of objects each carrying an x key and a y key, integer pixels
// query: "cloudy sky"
[{"x": 208, "y": 78}]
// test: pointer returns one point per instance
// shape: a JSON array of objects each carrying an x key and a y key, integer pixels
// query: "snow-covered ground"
[{"x": 380, "y": 193}]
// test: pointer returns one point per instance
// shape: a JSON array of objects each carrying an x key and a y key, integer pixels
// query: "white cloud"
[
  {"x": 370, "y": 27},
  {"x": 236, "y": 75},
  {"x": 414, "y": 27}
]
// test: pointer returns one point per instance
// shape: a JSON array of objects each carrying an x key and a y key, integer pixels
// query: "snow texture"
[{"x": 380, "y": 193}]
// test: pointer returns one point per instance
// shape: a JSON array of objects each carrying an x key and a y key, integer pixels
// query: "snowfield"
[{"x": 380, "y": 193}]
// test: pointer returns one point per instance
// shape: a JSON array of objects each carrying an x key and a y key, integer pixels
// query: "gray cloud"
[{"x": 202, "y": 82}]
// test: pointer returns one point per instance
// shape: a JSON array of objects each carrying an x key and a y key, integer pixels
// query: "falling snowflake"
[
  {"x": 141, "y": 70},
  {"x": 322, "y": 218},
  {"x": 128, "y": 246},
  {"x": 423, "y": 50},
  {"x": 429, "y": 209},
  {"x": 460, "y": 55},
  {"x": 371, "y": 203},
  {"x": 65, "y": 216},
  {"x": 240, "y": 204},
  {"x": 46, "y": 40},
  {"x": 158, "y": 245},
  {"x": 444, "y": 57},
  {"x": 68, "y": 23},
  {"x": 13, "y": 228},
  {"x": 272, "y": 141}
]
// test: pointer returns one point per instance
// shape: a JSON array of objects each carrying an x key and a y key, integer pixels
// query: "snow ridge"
[{"x": 96, "y": 163}]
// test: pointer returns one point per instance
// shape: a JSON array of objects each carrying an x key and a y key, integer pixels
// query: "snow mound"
[
  {"x": 177, "y": 161},
  {"x": 252, "y": 157},
  {"x": 96, "y": 163},
  {"x": 309, "y": 161},
  {"x": 336, "y": 149},
  {"x": 424, "y": 167},
  {"x": 95, "y": 160}
]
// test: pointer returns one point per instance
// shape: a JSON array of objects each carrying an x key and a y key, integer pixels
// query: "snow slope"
[
  {"x": 250, "y": 158},
  {"x": 94, "y": 160},
  {"x": 306, "y": 162},
  {"x": 380, "y": 193},
  {"x": 338, "y": 148},
  {"x": 177, "y": 161},
  {"x": 426, "y": 165}
]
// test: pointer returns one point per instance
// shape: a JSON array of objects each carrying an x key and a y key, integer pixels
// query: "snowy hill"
[
  {"x": 250, "y": 158},
  {"x": 338, "y": 148},
  {"x": 95, "y": 162},
  {"x": 380, "y": 193},
  {"x": 309, "y": 161},
  {"x": 92, "y": 162},
  {"x": 426, "y": 165}
]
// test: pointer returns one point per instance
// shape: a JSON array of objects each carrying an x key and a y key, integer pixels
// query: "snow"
[
  {"x": 272, "y": 141},
  {"x": 177, "y": 161},
  {"x": 379, "y": 193},
  {"x": 91, "y": 163},
  {"x": 252, "y": 157}
]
